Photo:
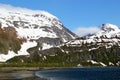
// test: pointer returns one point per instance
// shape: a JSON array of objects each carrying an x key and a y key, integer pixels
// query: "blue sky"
[{"x": 75, "y": 14}]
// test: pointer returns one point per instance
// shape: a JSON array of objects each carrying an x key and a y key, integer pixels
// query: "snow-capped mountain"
[
  {"x": 109, "y": 33},
  {"x": 38, "y": 28},
  {"x": 33, "y": 24}
]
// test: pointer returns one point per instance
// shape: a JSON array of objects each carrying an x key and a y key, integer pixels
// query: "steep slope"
[{"x": 37, "y": 28}]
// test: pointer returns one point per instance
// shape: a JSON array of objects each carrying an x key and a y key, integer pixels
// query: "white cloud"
[
  {"x": 82, "y": 31},
  {"x": 7, "y": 7}
]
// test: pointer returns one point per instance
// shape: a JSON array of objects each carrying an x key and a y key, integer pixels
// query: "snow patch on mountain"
[
  {"x": 34, "y": 33},
  {"x": 5, "y": 57},
  {"x": 25, "y": 46},
  {"x": 22, "y": 51},
  {"x": 46, "y": 46}
]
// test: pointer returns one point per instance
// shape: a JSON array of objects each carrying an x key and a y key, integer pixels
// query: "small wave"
[{"x": 40, "y": 76}]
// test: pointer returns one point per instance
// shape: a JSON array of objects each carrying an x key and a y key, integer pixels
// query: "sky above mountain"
[{"x": 80, "y": 16}]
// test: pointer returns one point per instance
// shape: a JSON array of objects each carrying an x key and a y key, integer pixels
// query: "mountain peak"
[
  {"x": 33, "y": 24},
  {"x": 109, "y": 27}
]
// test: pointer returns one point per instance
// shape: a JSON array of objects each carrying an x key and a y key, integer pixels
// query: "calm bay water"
[{"x": 81, "y": 74}]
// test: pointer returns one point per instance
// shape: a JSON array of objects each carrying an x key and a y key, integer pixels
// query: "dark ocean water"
[{"x": 81, "y": 74}]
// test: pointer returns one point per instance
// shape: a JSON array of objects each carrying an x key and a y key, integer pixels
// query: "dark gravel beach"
[{"x": 14, "y": 73}]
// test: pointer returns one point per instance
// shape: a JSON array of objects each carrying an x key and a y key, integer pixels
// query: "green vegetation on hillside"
[{"x": 71, "y": 57}]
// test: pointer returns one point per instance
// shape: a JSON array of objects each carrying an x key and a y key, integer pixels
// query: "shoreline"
[
  {"x": 28, "y": 73},
  {"x": 42, "y": 68},
  {"x": 18, "y": 75}
]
